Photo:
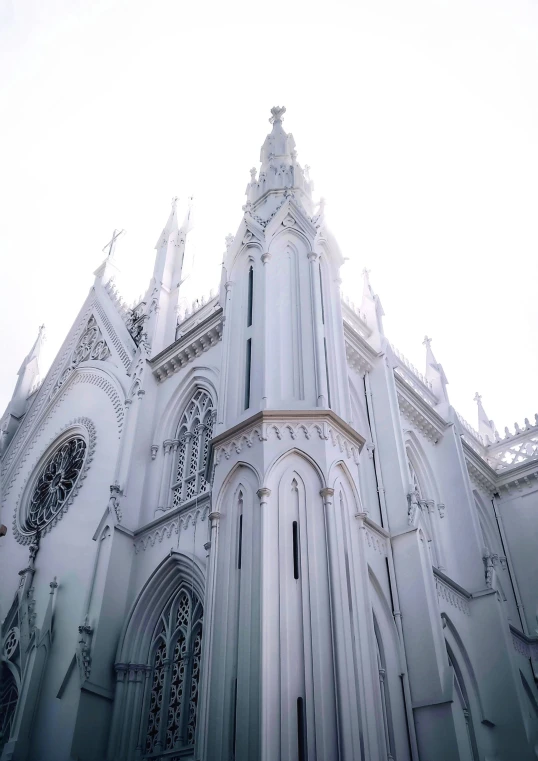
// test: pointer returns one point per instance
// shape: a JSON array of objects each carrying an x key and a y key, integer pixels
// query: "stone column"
[
  {"x": 202, "y": 723},
  {"x": 268, "y": 719}
]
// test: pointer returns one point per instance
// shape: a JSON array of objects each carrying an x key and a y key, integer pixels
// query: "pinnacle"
[{"x": 279, "y": 172}]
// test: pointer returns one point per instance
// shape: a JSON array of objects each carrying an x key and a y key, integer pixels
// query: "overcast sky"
[{"x": 419, "y": 120}]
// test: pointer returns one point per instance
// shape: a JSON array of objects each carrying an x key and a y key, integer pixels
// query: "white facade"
[{"x": 255, "y": 531}]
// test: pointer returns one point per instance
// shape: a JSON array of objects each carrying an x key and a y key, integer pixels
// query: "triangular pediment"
[
  {"x": 291, "y": 215},
  {"x": 98, "y": 337}
]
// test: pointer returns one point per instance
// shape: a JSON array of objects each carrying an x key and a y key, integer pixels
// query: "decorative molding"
[
  {"x": 83, "y": 374},
  {"x": 450, "y": 593},
  {"x": 324, "y": 424},
  {"x": 525, "y": 646},
  {"x": 23, "y": 537},
  {"x": 105, "y": 385},
  {"x": 190, "y": 345},
  {"x": 376, "y": 542},
  {"x": 84, "y": 650},
  {"x": 154, "y": 450},
  {"x": 171, "y": 524},
  {"x": 43, "y": 397},
  {"x": 118, "y": 345},
  {"x": 413, "y": 407},
  {"x": 90, "y": 346}
]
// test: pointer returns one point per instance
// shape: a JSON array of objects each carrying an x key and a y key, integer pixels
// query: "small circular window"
[{"x": 55, "y": 483}]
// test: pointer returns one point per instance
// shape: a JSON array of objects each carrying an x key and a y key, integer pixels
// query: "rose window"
[{"x": 55, "y": 483}]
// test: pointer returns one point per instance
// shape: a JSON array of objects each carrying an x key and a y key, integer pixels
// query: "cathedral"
[{"x": 253, "y": 531}]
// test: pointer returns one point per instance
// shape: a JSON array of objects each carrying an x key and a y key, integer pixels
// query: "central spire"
[{"x": 280, "y": 173}]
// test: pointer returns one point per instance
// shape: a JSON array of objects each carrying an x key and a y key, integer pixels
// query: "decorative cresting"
[
  {"x": 194, "y": 438},
  {"x": 91, "y": 345},
  {"x": 57, "y": 483},
  {"x": 172, "y": 702}
]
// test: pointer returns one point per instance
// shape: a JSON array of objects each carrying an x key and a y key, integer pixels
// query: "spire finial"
[
  {"x": 427, "y": 342},
  {"x": 277, "y": 112},
  {"x": 477, "y": 398}
]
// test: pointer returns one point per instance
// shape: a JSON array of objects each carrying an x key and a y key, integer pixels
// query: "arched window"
[
  {"x": 175, "y": 653},
  {"x": 195, "y": 432},
  {"x": 8, "y": 703},
  {"x": 415, "y": 483},
  {"x": 462, "y": 715},
  {"x": 385, "y": 697}
]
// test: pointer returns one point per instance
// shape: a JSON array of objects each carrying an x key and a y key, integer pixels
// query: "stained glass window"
[
  {"x": 55, "y": 483},
  {"x": 176, "y": 651},
  {"x": 195, "y": 432},
  {"x": 8, "y": 703}
]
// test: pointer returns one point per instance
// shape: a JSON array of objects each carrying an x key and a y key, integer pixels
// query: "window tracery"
[
  {"x": 173, "y": 696},
  {"x": 194, "y": 439},
  {"x": 55, "y": 483},
  {"x": 8, "y": 703}
]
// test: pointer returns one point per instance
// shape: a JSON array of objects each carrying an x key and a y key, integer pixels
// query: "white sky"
[{"x": 419, "y": 120}]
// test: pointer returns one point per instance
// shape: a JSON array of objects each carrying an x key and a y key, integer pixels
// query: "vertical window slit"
[
  {"x": 301, "y": 739},
  {"x": 295, "y": 550},
  {"x": 247, "y": 373},
  {"x": 234, "y": 728},
  {"x": 240, "y": 542},
  {"x": 250, "y": 296},
  {"x": 321, "y": 296},
  {"x": 327, "y": 372}
]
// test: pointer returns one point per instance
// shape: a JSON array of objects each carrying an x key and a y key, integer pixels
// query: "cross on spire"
[
  {"x": 427, "y": 342},
  {"x": 477, "y": 398},
  {"x": 111, "y": 245}
]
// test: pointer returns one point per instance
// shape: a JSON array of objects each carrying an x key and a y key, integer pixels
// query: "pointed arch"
[
  {"x": 301, "y": 453},
  {"x": 419, "y": 464},
  {"x": 230, "y": 478},
  {"x": 459, "y": 651},
  {"x": 386, "y": 661},
  {"x": 340, "y": 471},
  {"x": 290, "y": 233},
  {"x": 198, "y": 377},
  {"x": 162, "y": 639},
  {"x": 144, "y": 613}
]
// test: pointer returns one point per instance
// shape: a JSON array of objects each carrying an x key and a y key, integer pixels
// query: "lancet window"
[
  {"x": 172, "y": 699},
  {"x": 194, "y": 438},
  {"x": 385, "y": 698},
  {"x": 415, "y": 483}
]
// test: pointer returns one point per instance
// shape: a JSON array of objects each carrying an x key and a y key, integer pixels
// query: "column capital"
[
  {"x": 327, "y": 493},
  {"x": 265, "y": 257},
  {"x": 263, "y": 493},
  {"x": 312, "y": 257},
  {"x": 214, "y": 517}
]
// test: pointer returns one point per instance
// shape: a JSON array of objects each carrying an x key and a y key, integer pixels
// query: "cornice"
[
  {"x": 192, "y": 344},
  {"x": 359, "y": 353},
  {"x": 479, "y": 471},
  {"x": 419, "y": 412},
  {"x": 325, "y": 424},
  {"x": 521, "y": 477}
]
